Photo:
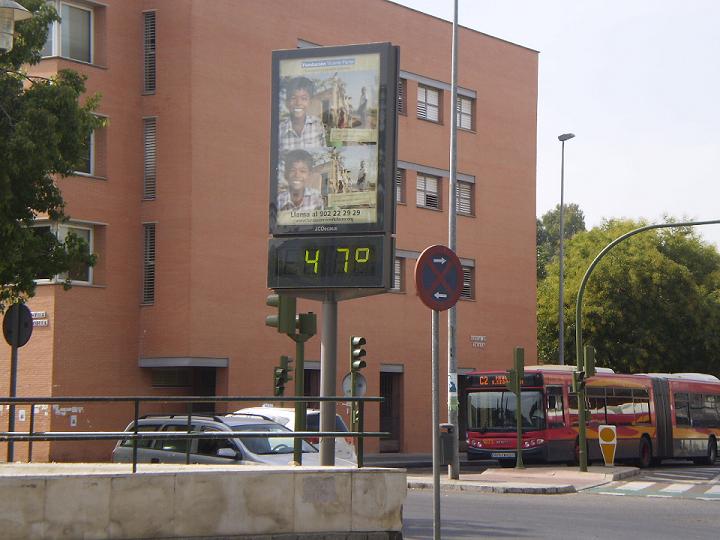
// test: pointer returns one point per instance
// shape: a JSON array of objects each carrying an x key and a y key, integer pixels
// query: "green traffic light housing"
[
  {"x": 286, "y": 367},
  {"x": 284, "y": 321},
  {"x": 578, "y": 381},
  {"x": 516, "y": 374}
]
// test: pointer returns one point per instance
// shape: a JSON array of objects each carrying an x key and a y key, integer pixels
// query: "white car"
[{"x": 344, "y": 448}]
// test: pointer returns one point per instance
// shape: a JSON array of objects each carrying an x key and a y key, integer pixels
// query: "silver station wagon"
[{"x": 275, "y": 450}]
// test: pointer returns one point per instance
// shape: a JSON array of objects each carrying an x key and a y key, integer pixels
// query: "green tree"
[
  {"x": 652, "y": 304},
  {"x": 44, "y": 130},
  {"x": 548, "y": 234}
]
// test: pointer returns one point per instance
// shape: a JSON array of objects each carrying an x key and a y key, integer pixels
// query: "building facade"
[{"x": 174, "y": 201}]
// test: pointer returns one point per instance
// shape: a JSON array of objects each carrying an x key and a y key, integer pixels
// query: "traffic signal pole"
[{"x": 328, "y": 376}]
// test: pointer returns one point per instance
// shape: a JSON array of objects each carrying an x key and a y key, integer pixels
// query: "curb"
[{"x": 495, "y": 488}]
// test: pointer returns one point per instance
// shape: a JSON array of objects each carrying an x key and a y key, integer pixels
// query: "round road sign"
[
  {"x": 438, "y": 277},
  {"x": 10, "y": 325}
]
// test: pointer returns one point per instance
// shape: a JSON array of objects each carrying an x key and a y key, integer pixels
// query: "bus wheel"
[
  {"x": 711, "y": 456},
  {"x": 645, "y": 459}
]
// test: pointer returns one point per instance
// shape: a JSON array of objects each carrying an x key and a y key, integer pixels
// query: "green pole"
[
  {"x": 518, "y": 361},
  {"x": 578, "y": 318},
  {"x": 300, "y": 406}
]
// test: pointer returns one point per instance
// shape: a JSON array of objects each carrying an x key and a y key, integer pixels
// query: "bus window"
[
  {"x": 555, "y": 407},
  {"x": 573, "y": 409},
  {"x": 682, "y": 410},
  {"x": 596, "y": 403},
  {"x": 496, "y": 411},
  {"x": 620, "y": 408}
]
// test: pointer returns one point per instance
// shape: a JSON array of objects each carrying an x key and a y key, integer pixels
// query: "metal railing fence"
[{"x": 31, "y": 436}]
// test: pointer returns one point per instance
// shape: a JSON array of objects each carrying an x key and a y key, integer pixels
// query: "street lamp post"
[
  {"x": 10, "y": 13},
  {"x": 561, "y": 322}
]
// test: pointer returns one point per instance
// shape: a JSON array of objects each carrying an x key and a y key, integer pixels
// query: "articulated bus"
[{"x": 658, "y": 416}]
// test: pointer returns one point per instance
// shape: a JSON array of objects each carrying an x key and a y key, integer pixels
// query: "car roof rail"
[
  {"x": 256, "y": 415},
  {"x": 214, "y": 417}
]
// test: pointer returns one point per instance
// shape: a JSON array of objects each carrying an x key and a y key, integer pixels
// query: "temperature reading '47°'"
[{"x": 346, "y": 259}]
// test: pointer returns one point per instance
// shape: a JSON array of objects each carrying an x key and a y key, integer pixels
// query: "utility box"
[{"x": 447, "y": 433}]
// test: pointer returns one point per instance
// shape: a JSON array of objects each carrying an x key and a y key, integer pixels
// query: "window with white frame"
[
  {"x": 468, "y": 290},
  {"x": 72, "y": 36},
  {"x": 428, "y": 191},
  {"x": 149, "y": 52},
  {"x": 87, "y": 160},
  {"x": 150, "y": 158},
  {"x": 428, "y": 103},
  {"x": 464, "y": 198},
  {"x": 400, "y": 186},
  {"x": 148, "y": 292},
  {"x": 82, "y": 272},
  {"x": 397, "y": 282},
  {"x": 402, "y": 96},
  {"x": 465, "y": 112}
]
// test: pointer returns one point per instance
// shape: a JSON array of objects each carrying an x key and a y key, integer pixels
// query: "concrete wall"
[{"x": 164, "y": 501}]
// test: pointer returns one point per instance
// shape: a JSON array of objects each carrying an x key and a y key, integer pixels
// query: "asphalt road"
[{"x": 582, "y": 515}]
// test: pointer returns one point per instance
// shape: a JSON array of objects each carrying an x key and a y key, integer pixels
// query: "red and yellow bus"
[{"x": 658, "y": 416}]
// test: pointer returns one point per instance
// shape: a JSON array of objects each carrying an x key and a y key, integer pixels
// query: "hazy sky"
[{"x": 637, "y": 81}]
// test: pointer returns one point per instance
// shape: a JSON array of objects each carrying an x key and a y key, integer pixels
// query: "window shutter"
[
  {"x": 397, "y": 274},
  {"x": 149, "y": 264},
  {"x": 401, "y": 99},
  {"x": 421, "y": 105},
  {"x": 400, "y": 185},
  {"x": 467, "y": 290},
  {"x": 150, "y": 161},
  {"x": 464, "y": 197},
  {"x": 149, "y": 52}
]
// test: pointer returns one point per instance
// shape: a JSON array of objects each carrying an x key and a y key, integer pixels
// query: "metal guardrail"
[{"x": 30, "y": 436}]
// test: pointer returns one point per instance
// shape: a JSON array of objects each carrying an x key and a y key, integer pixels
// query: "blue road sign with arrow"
[{"x": 438, "y": 277}]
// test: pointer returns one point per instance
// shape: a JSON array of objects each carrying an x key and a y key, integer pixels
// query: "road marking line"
[
  {"x": 636, "y": 486},
  {"x": 715, "y": 480},
  {"x": 676, "y": 488},
  {"x": 708, "y": 498},
  {"x": 660, "y": 496},
  {"x": 611, "y": 493},
  {"x": 713, "y": 490}
]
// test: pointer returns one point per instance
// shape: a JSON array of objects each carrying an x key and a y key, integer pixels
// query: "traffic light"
[
  {"x": 284, "y": 321},
  {"x": 356, "y": 353},
  {"x": 285, "y": 365},
  {"x": 579, "y": 381},
  {"x": 516, "y": 374},
  {"x": 281, "y": 375},
  {"x": 589, "y": 361}
]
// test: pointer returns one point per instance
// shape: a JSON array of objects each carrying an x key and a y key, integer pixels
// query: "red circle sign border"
[{"x": 426, "y": 294}]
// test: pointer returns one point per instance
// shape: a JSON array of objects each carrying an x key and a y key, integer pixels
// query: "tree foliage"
[
  {"x": 44, "y": 131},
  {"x": 652, "y": 304},
  {"x": 548, "y": 234}
]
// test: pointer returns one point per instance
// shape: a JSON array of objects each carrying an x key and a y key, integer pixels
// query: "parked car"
[
  {"x": 344, "y": 448},
  {"x": 236, "y": 450}
]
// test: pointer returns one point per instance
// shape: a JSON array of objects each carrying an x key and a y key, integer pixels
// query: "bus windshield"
[{"x": 495, "y": 411}]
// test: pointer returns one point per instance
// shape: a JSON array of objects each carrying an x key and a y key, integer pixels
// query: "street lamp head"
[
  {"x": 10, "y": 12},
  {"x": 566, "y": 137}
]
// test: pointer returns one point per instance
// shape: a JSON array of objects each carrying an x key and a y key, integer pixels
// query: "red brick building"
[{"x": 174, "y": 202}]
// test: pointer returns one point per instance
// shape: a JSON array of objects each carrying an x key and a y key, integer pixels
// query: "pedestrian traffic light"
[
  {"x": 579, "y": 381},
  {"x": 284, "y": 321},
  {"x": 278, "y": 382},
  {"x": 356, "y": 353}
]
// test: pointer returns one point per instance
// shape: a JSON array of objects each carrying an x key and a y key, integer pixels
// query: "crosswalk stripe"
[
  {"x": 659, "y": 496},
  {"x": 636, "y": 486},
  {"x": 713, "y": 490},
  {"x": 610, "y": 493},
  {"x": 676, "y": 488}
]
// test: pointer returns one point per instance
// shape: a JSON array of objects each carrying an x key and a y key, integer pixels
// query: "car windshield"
[
  {"x": 495, "y": 411},
  {"x": 269, "y": 445}
]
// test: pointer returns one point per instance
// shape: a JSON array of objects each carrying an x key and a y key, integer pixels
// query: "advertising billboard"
[{"x": 332, "y": 157}]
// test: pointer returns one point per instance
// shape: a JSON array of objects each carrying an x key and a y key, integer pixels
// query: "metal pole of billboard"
[
  {"x": 436, "y": 421},
  {"x": 454, "y": 466},
  {"x": 328, "y": 375}
]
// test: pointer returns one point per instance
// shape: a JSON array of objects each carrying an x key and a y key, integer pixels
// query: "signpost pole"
[
  {"x": 328, "y": 375},
  {"x": 452, "y": 401},
  {"x": 436, "y": 421},
  {"x": 15, "y": 325}
]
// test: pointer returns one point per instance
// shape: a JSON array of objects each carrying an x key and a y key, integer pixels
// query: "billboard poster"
[{"x": 330, "y": 170}]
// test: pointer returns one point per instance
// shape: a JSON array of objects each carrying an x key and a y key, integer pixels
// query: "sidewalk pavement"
[{"x": 534, "y": 479}]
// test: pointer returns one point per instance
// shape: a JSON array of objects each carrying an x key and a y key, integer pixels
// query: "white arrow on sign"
[
  {"x": 439, "y": 295},
  {"x": 441, "y": 260}
]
